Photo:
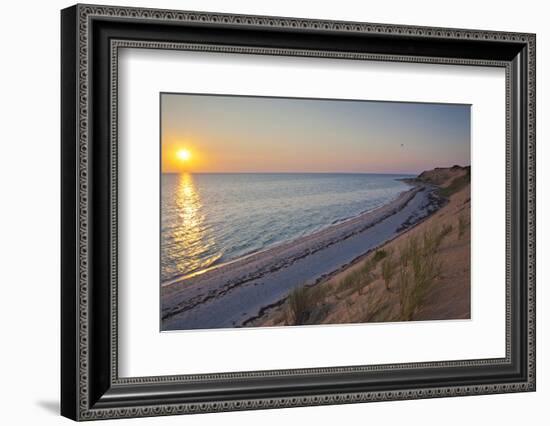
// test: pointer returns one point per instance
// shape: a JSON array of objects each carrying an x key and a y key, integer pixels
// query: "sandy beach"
[{"x": 246, "y": 291}]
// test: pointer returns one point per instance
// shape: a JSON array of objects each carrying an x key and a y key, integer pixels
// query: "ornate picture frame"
[{"x": 91, "y": 37}]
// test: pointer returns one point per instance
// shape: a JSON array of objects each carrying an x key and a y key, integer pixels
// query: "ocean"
[{"x": 210, "y": 219}]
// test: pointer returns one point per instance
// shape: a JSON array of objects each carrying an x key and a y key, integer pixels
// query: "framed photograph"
[{"x": 263, "y": 212}]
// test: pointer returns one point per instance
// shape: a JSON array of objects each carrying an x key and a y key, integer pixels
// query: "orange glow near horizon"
[{"x": 237, "y": 134}]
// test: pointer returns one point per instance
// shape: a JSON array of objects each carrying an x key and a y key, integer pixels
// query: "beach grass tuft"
[
  {"x": 351, "y": 280},
  {"x": 378, "y": 256},
  {"x": 371, "y": 308},
  {"x": 366, "y": 270},
  {"x": 359, "y": 278},
  {"x": 388, "y": 270},
  {"x": 445, "y": 230},
  {"x": 298, "y": 304},
  {"x": 419, "y": 267},
  {"x": 302, "y": 302}
]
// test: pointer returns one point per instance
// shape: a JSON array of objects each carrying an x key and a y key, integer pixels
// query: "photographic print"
[
  {"x": 293, "y": 211},
  {"x": 221, "y": 189}
]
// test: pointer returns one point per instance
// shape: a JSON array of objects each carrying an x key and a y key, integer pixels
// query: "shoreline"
[
  {"x": 266, "y": 309},
  {"x": 241, "y": 290},
  {"x": 292, "y": 241},
  {"x": 368, "y": 291}
]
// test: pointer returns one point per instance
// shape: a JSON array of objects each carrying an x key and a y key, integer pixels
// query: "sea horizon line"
[{"x": 292, "y": 173}]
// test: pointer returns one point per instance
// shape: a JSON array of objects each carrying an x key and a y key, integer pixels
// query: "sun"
[{"x": 184, "y": 154}]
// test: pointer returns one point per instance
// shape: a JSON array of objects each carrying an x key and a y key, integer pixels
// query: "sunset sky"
[{"x": 232, "y": 134}]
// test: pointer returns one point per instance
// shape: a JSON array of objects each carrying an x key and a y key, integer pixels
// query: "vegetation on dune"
[
  {"x": 414, "y": 271},
  {"x": 440, "y": 175},
  {"x": 364, "y": 275},
  {"x": 388, "y": 270},
  {"x": 445, "y": 230},
  {"x": 355, "y": 279},
  {"x": 462, "y": 225},
  {"x": 456, "y": 184},
  {"x": 419, "y": 267},
  {"x": 379, "y": 255},
  {"x": 299, "y": 304},
  {"x": 302, "y": 302}
]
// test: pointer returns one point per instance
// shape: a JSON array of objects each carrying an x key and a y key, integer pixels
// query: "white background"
[
  {"x": 29, "y": 225},
  {"x": 142, "y": 346}
]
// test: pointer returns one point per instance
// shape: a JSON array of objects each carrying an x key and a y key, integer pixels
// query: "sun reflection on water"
[{"x": 191, "y": 239}]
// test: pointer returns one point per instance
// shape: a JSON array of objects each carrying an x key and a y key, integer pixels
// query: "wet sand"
[{"x": 232, "y": 294}]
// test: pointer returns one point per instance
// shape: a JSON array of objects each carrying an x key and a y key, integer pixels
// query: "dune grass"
[
  {"x": 364, "y": 275},
  {"x": 388, "y": 270},
  {"x": 414, "y": 271},
  {"x": 302, "y": 302},
  {"x": 379, "y": 255},
  {"x": 419, "y": 267},
  {"x": 299, "y": 304},
  {"x": 456, "y": 185}
]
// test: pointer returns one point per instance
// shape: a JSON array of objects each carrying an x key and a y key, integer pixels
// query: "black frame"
[{"x": 90, "y": 386}]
